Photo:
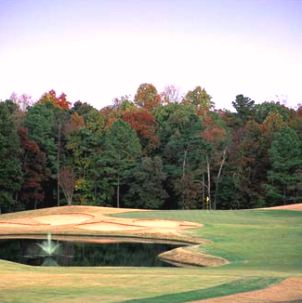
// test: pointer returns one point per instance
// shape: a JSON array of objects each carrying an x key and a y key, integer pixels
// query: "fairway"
[{"x": 263, "y": 248}]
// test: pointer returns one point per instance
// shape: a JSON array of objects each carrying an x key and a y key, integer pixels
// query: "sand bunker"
[
  {"x": 15, "y": 225},
  {"x": 158, "y": 225},
  {"x": 166, "y": 224},
  {"x": 286, "y": 291},
  {"x": 105, "y": 226},
  {"x": 297, "y": 206},
  {"x": 63, "y": 219},
  {"x": 87, "y": 219}
]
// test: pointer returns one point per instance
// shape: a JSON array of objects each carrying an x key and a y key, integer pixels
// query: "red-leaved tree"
[
  {"x": 143, "y": 122},
  {"x": 34, "y": 170}
]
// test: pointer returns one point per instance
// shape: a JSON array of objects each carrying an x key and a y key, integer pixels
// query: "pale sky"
[{"x": 96, "y": 50}]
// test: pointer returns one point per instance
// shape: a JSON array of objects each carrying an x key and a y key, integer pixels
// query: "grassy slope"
[
  {"x": 259, "y": 243},
  {"x": 265, "y": 241},
  {"x": 29, "y": 284},
  {"x": 262, "y": 246}
]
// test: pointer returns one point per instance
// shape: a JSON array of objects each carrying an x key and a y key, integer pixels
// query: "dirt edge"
[{"x": 187, "y": 256}]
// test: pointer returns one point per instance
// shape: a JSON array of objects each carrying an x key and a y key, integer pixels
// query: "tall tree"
[
  {"x": 143, "y": 122},
  {"x": 10, "y": 164},
  {"x": 121, "y": 151},
  {"x": 245, "y": 108},
  {"x": 262, "y": 110},
  {"x": 183, "y": 151},
  {"x": 57, "y": 101},
  {"x": 40, "y": 122},
  {"x": 217, "y": 136},
  {"x": 146, "y": 184},
  {"x": 285, "y": 176},
  {"x": 67, "y": 183},
  {"x": 147, "y": 96},
  {"x": 248, "y": 166},
  {"x": 296, "y": 121},
  {"x": 272, "y": 123},
  {"x": 201, "y": 100},
  {"x": 84, "y": 132},
  {"x": 60, "y": 109},
  {"x": 34, "y": 171}
]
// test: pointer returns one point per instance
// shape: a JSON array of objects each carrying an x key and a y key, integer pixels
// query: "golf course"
[{"x": 230, "y": 256}]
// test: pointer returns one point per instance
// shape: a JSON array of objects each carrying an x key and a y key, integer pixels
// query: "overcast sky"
[{"x": 96, "y": 50}]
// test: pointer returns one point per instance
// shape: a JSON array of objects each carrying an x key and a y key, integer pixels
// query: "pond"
[{"x": 66, "y": 253}]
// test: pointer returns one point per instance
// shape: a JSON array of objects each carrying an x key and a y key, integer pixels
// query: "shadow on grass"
[{"x": 237, "y": 286}]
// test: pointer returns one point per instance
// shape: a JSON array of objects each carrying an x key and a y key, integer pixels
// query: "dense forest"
[{"x": 158, "y": 151}]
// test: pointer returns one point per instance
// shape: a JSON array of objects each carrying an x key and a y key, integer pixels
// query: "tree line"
[{"x": 158, "y": 151}]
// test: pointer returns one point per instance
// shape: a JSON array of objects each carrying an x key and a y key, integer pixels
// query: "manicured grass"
[
  {"x": 242, "y": 285},
  {"x": 32, "y": 284},
  {"x": 263, "y": 247},
  {"x": 262, "y": 240}
]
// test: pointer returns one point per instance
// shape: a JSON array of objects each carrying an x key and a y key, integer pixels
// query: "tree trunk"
[
  {"x": 203, "y": 193},
  {"x": 118, "y": 192},
  {"x": 58, "y": 164},
  {"x": 16, "y": 198},
  {"x": 95, "y": 190},
  {"x": 183, "y": 179},
  {"x": 218, "y": 177},
  {"x": 209, "y": 181}
]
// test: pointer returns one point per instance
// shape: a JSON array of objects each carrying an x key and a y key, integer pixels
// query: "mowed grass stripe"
[{"x": 237, "y": 286}]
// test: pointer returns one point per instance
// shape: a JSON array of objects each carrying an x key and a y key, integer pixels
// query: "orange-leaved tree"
[
  {"x": 57, "y": 101},
  {"x": 147, "y": 96}
]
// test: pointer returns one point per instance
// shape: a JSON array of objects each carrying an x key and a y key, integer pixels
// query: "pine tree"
[
  {"x": 285, "y": 176},
  {"x": 10, "y": 164},
  {"x": 121, "y": 151},
  {"x": 146, "y": 184}
]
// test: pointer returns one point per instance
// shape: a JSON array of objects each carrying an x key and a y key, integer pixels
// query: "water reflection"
[{"x": 84, "y": 254}]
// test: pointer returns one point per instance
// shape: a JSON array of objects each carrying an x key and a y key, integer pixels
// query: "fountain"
[{"x": 49, "y": 249}]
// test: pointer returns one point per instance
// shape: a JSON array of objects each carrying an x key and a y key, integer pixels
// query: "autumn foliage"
[
  {"x": 59, "y": 102},
  {"x": 147, "y": 97},
  {"x": 155, "y": 150},
  {"x": 144, "y": 123},
  {"x": 34, "y": 168}
]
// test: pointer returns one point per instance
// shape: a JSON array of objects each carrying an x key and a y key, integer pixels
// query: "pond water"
[{"x": 67, "y": 253}]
